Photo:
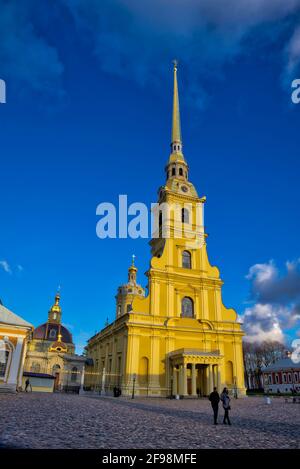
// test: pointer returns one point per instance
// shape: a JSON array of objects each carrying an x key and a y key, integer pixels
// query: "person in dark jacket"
[
  {"x": 214, "y": 400},
  {"x": 27, "y": 385},
  {"x": 226, "y": 405}
]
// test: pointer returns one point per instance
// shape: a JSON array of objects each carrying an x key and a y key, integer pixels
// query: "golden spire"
[
  {"x": 54, "y": 314},
  {"x": 176, "y": 143},
  {"x": 132, "y": 272}
]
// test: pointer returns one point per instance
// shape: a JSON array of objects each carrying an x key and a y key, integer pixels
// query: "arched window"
[
  {"x": 229, "y": 372},
  {"x": 74, "y": 374},
  {"x": 160, "y": 220},
  {"x": 55, "y": 369},
  {"x": 143, "y": 371},
  {"x": 186, "y": 260},
  {"x": 187, "y": 307},
  {"x": 173, "y": 171},
  {"x": 180, "y": 172},
  {"x": 185, "y": 215},
  {"x": 52, "y": 334}
]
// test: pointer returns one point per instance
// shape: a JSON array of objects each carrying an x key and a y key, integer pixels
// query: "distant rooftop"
[
  {"x": 283, "y": 364},
  {"x": 8, "y": 317}
]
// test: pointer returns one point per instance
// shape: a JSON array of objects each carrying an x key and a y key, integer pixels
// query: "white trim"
[
  {"x": 11, "y": 349},
  {"x": 15, "y": 363}
]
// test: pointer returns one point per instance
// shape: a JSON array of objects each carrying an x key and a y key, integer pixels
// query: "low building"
[
  {"x": 282, "y": 376},
  {"x": 14, "y": 332},
  {"x": 38, "y": 382},
  {"x": 51, "y": 351}
]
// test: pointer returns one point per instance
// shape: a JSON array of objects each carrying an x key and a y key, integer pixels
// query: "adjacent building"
[
  {"x": 14, "y": 332},
  {"x": 282, "y": 376},
  {"x": 51, "y": 351},
  {"x": 179, "y": 339}
]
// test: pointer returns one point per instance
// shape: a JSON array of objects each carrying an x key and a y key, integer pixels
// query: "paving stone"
[{"x": 38, "y": 420}]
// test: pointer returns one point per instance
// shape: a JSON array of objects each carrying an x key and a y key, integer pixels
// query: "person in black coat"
[{"x": 214, "y": 400}]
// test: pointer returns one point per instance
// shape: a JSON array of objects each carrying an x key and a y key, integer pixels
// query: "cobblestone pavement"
[{"x": 37, "y": 420}]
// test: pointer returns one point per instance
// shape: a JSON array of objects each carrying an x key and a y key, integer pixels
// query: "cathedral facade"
[{"x": 179, "y": 339}]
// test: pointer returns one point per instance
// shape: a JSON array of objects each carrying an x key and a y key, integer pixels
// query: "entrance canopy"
[{"x": 195, "y": 356}]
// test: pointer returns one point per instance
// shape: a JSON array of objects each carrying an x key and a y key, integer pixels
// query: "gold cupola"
[
  {"x": 54, "y": 314},
  {"x": 127, "y": 292},
  {"x": 58, "y": 345}
]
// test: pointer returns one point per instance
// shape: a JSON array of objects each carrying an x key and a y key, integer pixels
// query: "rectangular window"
[
  {"x": 284, "y": 377},
  {"x": 270, "y": 379}
]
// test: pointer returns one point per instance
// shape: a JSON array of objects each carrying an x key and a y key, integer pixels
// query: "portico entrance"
[{"x": 194, "y": 372}]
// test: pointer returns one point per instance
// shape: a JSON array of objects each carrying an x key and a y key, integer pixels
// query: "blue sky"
[{"x": 88, "y": 116}]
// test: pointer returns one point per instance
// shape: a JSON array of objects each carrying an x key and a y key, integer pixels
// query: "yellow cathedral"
[{"x": 179, "y": 340}]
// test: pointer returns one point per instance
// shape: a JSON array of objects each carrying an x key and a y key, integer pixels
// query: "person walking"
[
  {"x": 226, "y": 406},
  {"x": 27, "y": 385},
  {"x": 214, "y": 400}
]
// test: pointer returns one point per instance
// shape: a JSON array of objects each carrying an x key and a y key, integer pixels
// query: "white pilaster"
[{"x": 15, "y": 362}]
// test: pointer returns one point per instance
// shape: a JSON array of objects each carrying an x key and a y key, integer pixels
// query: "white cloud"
[
  {"x": 275, "y": 301},
  {"x": 264, "y": 322},
  {"x": 261, "y": 273},
  {"x": 5, "y": 266},
  {"x": 138, "y": 38}
]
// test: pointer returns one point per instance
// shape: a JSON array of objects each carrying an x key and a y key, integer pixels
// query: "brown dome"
[{"x": 51, "y": 334}]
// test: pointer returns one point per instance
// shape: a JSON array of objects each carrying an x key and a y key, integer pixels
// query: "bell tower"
[
  {"x": 180, "y": 211},
  {"x": 126, "y": 293}
]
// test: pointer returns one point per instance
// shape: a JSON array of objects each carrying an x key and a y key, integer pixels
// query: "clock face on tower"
[{"x": 184, "y": 189}]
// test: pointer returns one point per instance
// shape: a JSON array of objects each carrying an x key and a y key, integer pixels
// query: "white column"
[
  {"x": 184, "y": 379},
  {"x": 103, "y": 382},
  {"x": 175, "y": 387},
  {"x": 82, "y": 380},
  {"x": 194, "y": 376},
  {"x": 15, "y": 362},
  {"x": 20, "y": 379}
]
